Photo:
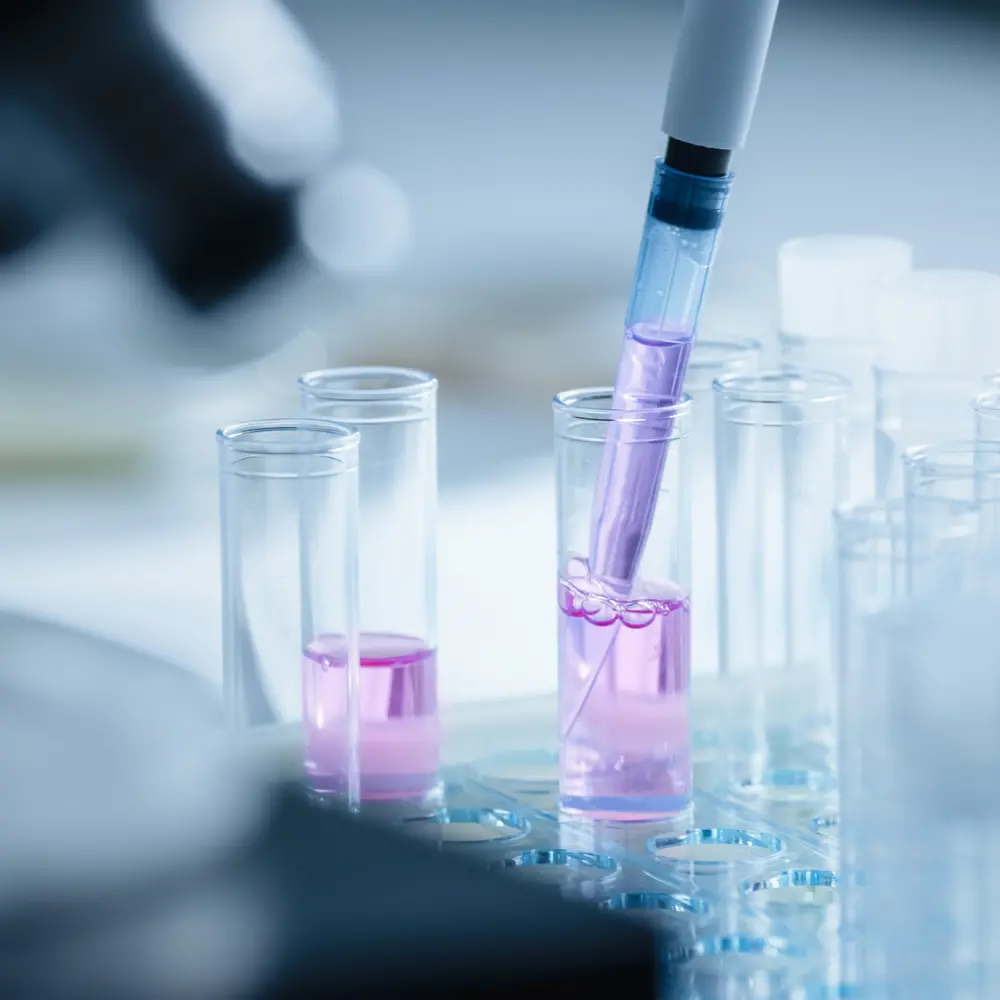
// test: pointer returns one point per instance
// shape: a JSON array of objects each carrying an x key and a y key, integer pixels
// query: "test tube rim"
[
  {"x": 859, "y": 524},
  {"x": 415, "y": 383},
  {"x": 750, "y": 387},
  {"x": 333, "y": 439},
  {"x": 574, "y": 403},
  {"x": 988, "y": 403},
  {"x": 744, "y": 347},
  {"x": 923, "y": 464}
]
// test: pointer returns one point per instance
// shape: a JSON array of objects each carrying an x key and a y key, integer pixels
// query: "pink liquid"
[
  {"x": 399, "y": 731},
  {"x": 650, "y": 374},
  {"x": 626, "y": 753}
]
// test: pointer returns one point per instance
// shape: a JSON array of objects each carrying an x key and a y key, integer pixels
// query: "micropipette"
[{"x": 721, "y": 49}]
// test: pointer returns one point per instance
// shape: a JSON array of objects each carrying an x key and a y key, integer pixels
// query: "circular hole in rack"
[
  {"x": 826, "y": 825},
  {"x": 561, "y": 867},
  {"x": 744, "y": 954},
  {"x": 531, "y": 776},
  {"x": 826, "y": 991},
  {"x": 797, "y": 888},
  {"x": 715, "y": 848},
  {"x": 660, "y": 902},
  {"x": 470, "y": 826},
  {"x": 789, "y": 786},
  {"x": 527, "y": 770}
]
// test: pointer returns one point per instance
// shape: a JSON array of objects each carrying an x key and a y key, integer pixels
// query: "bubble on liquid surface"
[
  {"x": 599, "y": 611},
  {"x": 639, "y": 614}
]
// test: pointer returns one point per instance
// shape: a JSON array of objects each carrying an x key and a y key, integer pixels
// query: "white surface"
[
  {"x": 157, "y": 587},
  {"x": 826, "y": 283},
  {"x": 939, "y": 322}
]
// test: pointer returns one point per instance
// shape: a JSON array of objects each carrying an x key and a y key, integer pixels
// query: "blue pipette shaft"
[{"x": 675, "y": 257}]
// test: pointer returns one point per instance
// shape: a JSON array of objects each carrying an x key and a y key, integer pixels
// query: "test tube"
[
  {"x": 709, "y": 360},
  {"x": 932, "y": 825},
  {"x": 952, "y": 505},
  {"x": 936, "y": 351},
  {"x": 624, "y": 671},
  {"x": 289, "y": 500},
  {"x": 782, "y": 467},
  {"x": 987, "y": 408},
  {"x": 827, "y": 286},
  {"x": 394, "y": 410},
  {"x": 870, "y": 579}
]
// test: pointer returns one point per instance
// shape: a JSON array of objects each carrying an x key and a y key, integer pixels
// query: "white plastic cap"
[
  {"x": 721, "y": 49},
  {"x": 826, "y": 284},
  {"x": 939, "y": 322}
]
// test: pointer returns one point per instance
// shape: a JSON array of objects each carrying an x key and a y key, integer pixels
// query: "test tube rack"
[{"x": 744, "y": 889}]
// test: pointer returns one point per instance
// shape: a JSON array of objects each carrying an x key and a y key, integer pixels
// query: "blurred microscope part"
[
  {"x": 142, "y": 855},
  {"x": 174, "y": 194}
]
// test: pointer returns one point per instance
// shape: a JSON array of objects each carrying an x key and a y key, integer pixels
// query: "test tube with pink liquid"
[{"x": 394, "y": 409}]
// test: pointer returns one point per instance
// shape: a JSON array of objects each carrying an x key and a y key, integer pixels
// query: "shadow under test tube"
[
  {"x": 709, "y": 360},
  {"x": 395, "y": 411},
  {"x": 781, "y": 467},
  {"x": 624, "y": 669},
  {"x": 289, "y": 499}
]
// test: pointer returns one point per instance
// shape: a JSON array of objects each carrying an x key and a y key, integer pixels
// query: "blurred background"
[{"x": 457, "y": 185}]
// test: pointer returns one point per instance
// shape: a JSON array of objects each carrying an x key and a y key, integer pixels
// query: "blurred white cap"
[
  {"x": 826, "y": 283},
  {"x": 944, "y": 322}
]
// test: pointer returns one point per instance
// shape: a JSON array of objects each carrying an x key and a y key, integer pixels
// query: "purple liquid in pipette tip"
[
  {"x": 623, "y": 700},
  {"x": 399, "y": 734},
  {"x": 650, "y": 374}
]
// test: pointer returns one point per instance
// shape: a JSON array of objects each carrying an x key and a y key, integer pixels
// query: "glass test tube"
[
  {"x": 709, "y": 360},
  {"x": 952, "y": 505},
  {"x": 624, "y": 671},
  {"x": 936, "y": 351},
  {"x": 395, "y": 411},
  {"x": 781, "y": 461},
  {"x": 827, "y": 285},
  {"x": 289, "y": 500},
  {"x": 870, "y": 579},
  {"x": 932, "y": 821},
  {"x": 987, "y": 409}
]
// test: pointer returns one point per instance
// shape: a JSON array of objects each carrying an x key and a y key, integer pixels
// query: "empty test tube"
[
  {"x": 871, "y": 563},
  {"x": 709, "y": 360},
  {"x": 781, "y": 467},
  {"x": 826, "y": 289},
  {"x": 289, "y": 501},
  {"x": 395, "y": 411},
  {"x": 932, "y": 817},
  {"x": 624, "y": 666},
  {"x": 936, "y": 351}
]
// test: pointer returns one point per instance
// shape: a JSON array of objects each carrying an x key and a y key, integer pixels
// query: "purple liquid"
[
  {"x": 624, "y": 684},
  {"x": 650, "y": 374},
  {"x": 399, "y": 732}
]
